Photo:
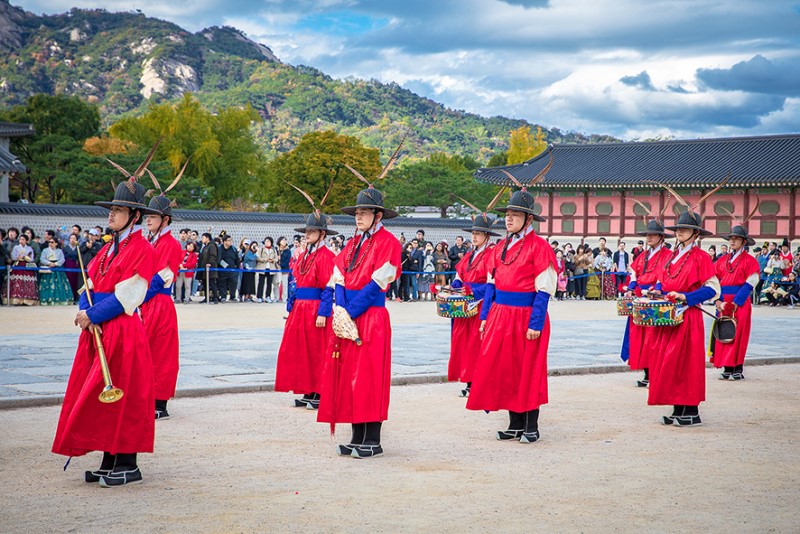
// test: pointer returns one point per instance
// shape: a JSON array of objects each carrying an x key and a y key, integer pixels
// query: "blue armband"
[
  {"x": 657, "y": 287},
  {"x": 539, "y": 311},
  {"x": 105, "y": 310},
  {"x": 156, "y": 285},
  {"x": 743, "y": 295},
  {"x": 699, "y": 296},
  {"x": 488, "y": 300},
  {"x": 632, "y": 285},
  {"x": 341, "y": 295},
  {"x": 326, "y": 303},
  {"x": 457, "y": 284},
  {"x": 364, "y": 299},
  {"x": 83, "y": 301}
]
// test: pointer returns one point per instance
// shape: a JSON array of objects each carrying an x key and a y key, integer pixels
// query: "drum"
[
  {"x": 652, "y": 312},
  {"x": 724, "y": 329},
  {"x": 454, "y": 303},
  {"x": 625, "y": 306}
]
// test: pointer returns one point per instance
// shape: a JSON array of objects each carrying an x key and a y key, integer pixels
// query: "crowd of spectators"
[{"x": 259, "y": 271}]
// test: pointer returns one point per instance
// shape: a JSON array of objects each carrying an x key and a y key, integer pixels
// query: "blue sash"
[
  {"x": 378, "y": 301},
  {"x": 730, "y": 290},
  {"x": 308, "y": 293},
  {"x": 514, "y": 298}
]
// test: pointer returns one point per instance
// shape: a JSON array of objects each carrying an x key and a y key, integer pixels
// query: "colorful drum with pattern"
[
  {"x": 455, "y": 304},
  {"x": 625, "y": 306},
  {"x": 652, "y": 312}
]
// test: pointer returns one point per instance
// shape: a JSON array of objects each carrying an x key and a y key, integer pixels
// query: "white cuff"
[
  {"x": 167, "y": 276},
  {"x": 753, "y": 279},
  {"x": 385, "y": 275},
  {"x": 713, "y": 283},
  {"x": 131, "y": 292},
  {"x": 547, "y": 281},
  {"x": 336, "y": 278}
]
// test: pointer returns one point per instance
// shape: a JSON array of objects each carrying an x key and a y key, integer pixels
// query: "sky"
[{"x": 632, "y": 69}]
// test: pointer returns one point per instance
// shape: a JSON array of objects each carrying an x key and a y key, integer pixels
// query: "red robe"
[
  {"x": 161, "y": 319},
  {"x": 465, "y": 337},
  {"x": 678, "y": 354},
  {"x": 303, "y": 348},
  {"x": 355, "y": 386},
  {"x": 642, "y": 337},
  {"x": 128, "y": 425},
  {"x": 736, "y": 274},
  {"x": 511, "y": 371}
]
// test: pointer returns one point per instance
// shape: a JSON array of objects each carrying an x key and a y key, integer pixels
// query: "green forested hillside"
[{"x": 124, "y": 62}]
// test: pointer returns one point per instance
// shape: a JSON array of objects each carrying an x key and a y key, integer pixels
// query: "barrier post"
[
  {"x": 8, "y": 285},
  {"x": 208, "y": 284}
]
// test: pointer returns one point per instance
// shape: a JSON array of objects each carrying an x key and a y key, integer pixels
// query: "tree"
[
  {"x": 437, "y": 181},
  {"x": 225, "y": 164},
  {"x": 523, "y": 146},
  {"x": 54, "y": 156},
  {"x": 317, "y": 159}
]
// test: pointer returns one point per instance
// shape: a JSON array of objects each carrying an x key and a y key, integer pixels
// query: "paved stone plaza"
[{"x": 36, "y": 367}]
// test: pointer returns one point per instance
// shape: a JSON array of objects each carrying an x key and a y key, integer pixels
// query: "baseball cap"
[{"x": 94, "y": 231}]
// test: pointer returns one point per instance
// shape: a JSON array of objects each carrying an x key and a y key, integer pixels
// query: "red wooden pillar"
[{"x": 622, "y": 221}]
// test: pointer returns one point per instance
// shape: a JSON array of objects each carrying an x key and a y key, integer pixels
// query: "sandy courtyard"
[{"x": 250, "y": 463}]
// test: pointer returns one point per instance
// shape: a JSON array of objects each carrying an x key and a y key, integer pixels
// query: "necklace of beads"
[
  {"x": 105, "y": 260},
  {"x": 668, "y": 270},
  {"x": 306, "y": 262},
  {"x": 729, "y": 264},
  {"x": 349, "y": 258},
  {"x": 516, "y": 254}
]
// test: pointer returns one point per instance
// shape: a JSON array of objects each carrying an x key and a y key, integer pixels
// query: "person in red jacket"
[
  {"x": 638, "y": 341},
  {"x": 738, "y": 274},
  {"x": 511, "y": 370},
  {"x": 471, "y": 273},
  {"x": 158, "y": 310},
  {"x": 677, "y": 360},
  {"x": 186, "y": 273},
  {"x": 118, "y": 278},
  {"x": 307, "y": 333},
  {"x": 355, "y": 387}
]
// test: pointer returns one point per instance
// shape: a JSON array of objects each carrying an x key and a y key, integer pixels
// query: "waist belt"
[
  {"x": 308, "y": 293},
  {"x": 514, "y": 298},
  {"x": 645, "y": 287},
  {"x": 165, "y": 291},
  {"x": 730, "y": 290},
  {"x": 378, "y": 301},
  {"x": 478, "y": 290}
]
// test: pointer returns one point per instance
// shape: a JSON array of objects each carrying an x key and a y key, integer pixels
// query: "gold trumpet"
[{"x": 109, "y": 393}]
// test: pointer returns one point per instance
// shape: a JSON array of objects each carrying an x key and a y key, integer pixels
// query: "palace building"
[{"x": 588, "y": 189}]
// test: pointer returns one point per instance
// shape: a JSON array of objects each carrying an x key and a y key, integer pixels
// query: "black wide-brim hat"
[
  {"x": 129, "y": 194},
  {"x": 316, "y": 221},
  {"x": 482, "y": 223},
  {"x": 370, "y": 198},
  {"x": 740, "y": 231},
  {"x": 654, "y": 227},
  {"x": 691, "y": 221},
  {"x": 163, "y": 206},
  {"x": 524, "y": 202}
]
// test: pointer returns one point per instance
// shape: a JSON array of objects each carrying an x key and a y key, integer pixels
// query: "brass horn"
[{"x": 109, "y": 393}]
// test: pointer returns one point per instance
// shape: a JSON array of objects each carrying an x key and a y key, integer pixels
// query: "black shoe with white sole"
[
  {"x": 529, "y": 437},
  {"x": 505, "y": 435},
  {"x": 642, "y": 383},
  {"x": 312, "y": 405},
  {"x": 667, "y": 419},
  {"x": 687, "y": 420},
  {"x": 119, "y": 477},
  {"x": 366, "y": 451},
  {"x": 94, "y": 476},
  {"x": 345, "y": 450},
  {"x": 162, "y": 414},
  {"x": 724, "y": 376},
  {"x": 737, "y": 376}
]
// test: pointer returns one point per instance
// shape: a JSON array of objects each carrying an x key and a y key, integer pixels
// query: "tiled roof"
[
  {"x": 767, "y": 161},
  {"x": 9, "y": 162},
  {"x": 67, "y": 211},
  {"x": 14, "y": 129}
]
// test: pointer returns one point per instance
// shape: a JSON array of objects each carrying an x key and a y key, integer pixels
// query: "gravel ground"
[{"x": 250, "y": 463}]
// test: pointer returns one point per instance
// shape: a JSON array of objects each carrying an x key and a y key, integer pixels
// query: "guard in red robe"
[
  {"x": 158, "y": 310},
  {"x": 511, "y": 370},
  {"x": 301, "y": 357},
  {"x": 677, "y": 361},
  {"x": 638, "y": 341},
  {"x": 471, "y": 273},
  {"x": 118, "y": 280},
  {"x": 355, "y": 385},
  {"x": 738, "y": 274}
]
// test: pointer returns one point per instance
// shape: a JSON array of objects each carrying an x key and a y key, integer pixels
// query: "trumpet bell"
[{"x": 110, "y": 394}]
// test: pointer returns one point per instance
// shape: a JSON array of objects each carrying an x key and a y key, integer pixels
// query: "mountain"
[{"x": 125, "y": 61}]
